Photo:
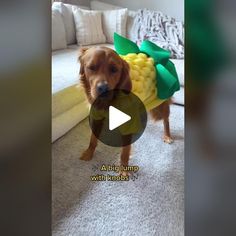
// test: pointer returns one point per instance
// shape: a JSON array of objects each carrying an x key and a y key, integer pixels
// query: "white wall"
[
  {"x": 174, "y": 8},
  {"x": 76, "y": 2}
]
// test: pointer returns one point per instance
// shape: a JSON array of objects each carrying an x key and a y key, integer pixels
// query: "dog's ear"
[
  {"x": 83, "y": 80},
  {"x": 125, "y": 81},
  {"x": 80, "y": 59},
  {"x": 82, "y": 51}
]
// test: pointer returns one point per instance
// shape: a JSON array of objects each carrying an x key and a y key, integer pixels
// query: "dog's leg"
[
  {"x": 124, "y": 159},
  {"x": 88, "y": 153},
  {"x": 162, "y": 112},
  {"x": 167, "y": 137},
  {"x": 125, "y": 154}
]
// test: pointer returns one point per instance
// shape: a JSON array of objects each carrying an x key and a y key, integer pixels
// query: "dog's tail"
[{"x": 162, "y": 111}]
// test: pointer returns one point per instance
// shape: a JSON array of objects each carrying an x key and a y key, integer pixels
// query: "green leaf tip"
[{"x": 124, "y": 46}]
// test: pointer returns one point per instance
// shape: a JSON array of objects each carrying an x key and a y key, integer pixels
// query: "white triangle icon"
[{"x": 117, "y": 118}]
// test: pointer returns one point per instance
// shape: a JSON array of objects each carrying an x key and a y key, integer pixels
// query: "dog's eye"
[
  {"x": 113, "y": 69},
  {"x": 92, "y": 67}
]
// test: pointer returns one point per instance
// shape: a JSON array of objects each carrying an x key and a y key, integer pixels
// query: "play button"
[{"x": 118, "y": 118}]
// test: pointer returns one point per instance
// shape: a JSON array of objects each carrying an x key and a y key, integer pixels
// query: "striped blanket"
[{"x": 161, "y": 29}]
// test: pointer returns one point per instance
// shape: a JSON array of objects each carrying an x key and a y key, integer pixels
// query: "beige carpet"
[{"x": 152, "y": 203}]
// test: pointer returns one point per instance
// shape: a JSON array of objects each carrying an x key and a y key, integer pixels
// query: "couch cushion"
[
  {"x": 114, "y": 21},
  {"x": 88, "y": 27},
  {"x": 178, "y": 97},
  {"x": 68, "y": 19},
  {"x": 65, "y": 68},
  {"x": 58, "y": 31},
  {"x": 179, "y": 65}
]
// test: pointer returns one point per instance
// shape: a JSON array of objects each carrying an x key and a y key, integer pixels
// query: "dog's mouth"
[
  {"x": 104, "y": 99},
  {"x": 104, "y": 95},
  {"x": 107, "y": 95}
]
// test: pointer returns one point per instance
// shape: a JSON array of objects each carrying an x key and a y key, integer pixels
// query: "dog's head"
[{"x": 101, "y": 70}]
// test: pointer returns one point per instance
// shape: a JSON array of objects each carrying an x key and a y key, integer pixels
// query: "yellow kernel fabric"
[
  {"x": 143, "y": 77},
  {"x": 142, "y": 55}
]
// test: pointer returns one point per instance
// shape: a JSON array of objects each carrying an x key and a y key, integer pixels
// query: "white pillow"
[
  {"x": 97, "y": 5},
  {"x": 68, "y": 19},
  {"x": 114, "y": 21},
  {"x": 58, "y": 31},
  {"x": 88, "y": 26}
]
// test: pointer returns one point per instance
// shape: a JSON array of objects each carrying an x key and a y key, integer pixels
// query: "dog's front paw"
[
  {"x": 124, "y": 173},
  {"x": 87, "y": 155},
  {"x": 168, "y": 139}
]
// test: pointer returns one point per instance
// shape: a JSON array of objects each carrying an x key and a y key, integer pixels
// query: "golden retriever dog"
[{"x": 101, "y": 70}]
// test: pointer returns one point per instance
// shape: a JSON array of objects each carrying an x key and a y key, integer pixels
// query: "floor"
[{"x": 150, "y": 203}]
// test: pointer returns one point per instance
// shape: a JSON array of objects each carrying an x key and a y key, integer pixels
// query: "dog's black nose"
[{"x": 102, "y": 88}]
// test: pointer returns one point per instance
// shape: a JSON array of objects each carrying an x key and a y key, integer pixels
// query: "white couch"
[{"x": 69, "y": 105}]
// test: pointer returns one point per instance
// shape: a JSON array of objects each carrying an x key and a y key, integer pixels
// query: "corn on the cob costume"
[
  {"x": 153, "y": 75},
  {"x": 154, "y": 79}
]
